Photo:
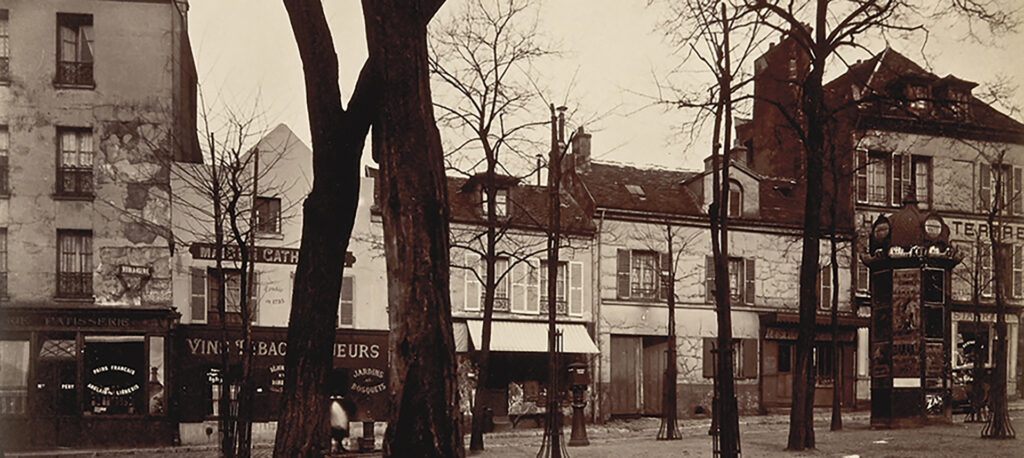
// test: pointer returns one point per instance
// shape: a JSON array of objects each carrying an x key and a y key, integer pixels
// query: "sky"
[{"x": 613, "y": 60}]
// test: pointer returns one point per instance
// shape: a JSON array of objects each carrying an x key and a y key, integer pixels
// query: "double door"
[{"x": 637, "y": 374}]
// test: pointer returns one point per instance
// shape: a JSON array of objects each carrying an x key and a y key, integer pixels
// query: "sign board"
[{"x": 260, "y": 254}]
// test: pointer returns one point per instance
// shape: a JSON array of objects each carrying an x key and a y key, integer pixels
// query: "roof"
[
  {"x": 662, "y": 189},
  {"x": 874, "y": 78}
]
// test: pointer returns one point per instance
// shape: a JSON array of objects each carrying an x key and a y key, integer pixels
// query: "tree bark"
[
  {"x": 327, "y": 221},
  {"x": 425, "y": 417}
]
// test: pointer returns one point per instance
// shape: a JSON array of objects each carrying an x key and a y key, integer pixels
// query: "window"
[
  {"x": 3, "y": 262},
  {"x": 825, "y": 287},
  {"x": 74, "y": 162},
  {"x": 918, "y": 95},
  {"x": 346, "y": 302},
  {"x": 636, "y": 191},
  {"x": 500, "y": 202},
  {"x": 74, "y": 264},
  {"x": 922, "y": 181},
  {"x": 744, "y": 358},
  {"x": 5, "y": 49},
  {"x": 5, "y": 154},
  {"x": 475, "y": 289},
  {"x": 1007, "y": 180},
  {"x": 560, "y": 291},
  {"x": 115, "y": 375},
  {"x": 735, "y": 200},
  {"x": 268, "y": 214},
  {"x": 74, "y": 50},
  {"x": 232, "y": 295},
  {"x": 877, "y": 178},
  {"x": 741, "y": 280},
  {"x": 643, "y": 275},
  {"x": 1018, "y": 271},
  {"x": 987, "y": 278},
  {"x": 824, "y": 362},
  {"x": 972, "y": 342},
  {"x": 14, "y": 356}
]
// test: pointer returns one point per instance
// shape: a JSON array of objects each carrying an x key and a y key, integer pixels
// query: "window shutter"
[
  {"x": 749, "y": 277},
  {"x": 457, "y": 281},
  {"x": 749, "y": 358},
  {"x": 1018, "y": 271},
  {"x": 709, "y": 279},
  {"x": 622, "y": 271},
  {"x": 472, "y": 282},
  {"x": 532, "y": 287},
  {"x": 254, "y": 297},
  {"x": 345, "y": 310},
  {"x": 666, "y": 276},
  {"x": 519, "y": 287},
  {"x": 825, "y": 287},
  {"x": 862, "y": 176},
  {"x": 1018, "y": 185},
  {"x": 900, "y": 177},
  {"x": 198, "y": 302},
  {"x": 709, "y": 357},
  {"x": 985, "y": 186},
  {"x": 576, "y": 288}
]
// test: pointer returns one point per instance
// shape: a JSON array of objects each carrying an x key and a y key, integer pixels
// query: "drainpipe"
[{"x": 596, "y": 272}]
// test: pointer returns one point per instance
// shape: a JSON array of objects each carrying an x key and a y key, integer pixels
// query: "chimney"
[
  {"x": 738, "y": 155},
  {"x": 581, "y": 151},
  {"x": 541, "y": 178}
]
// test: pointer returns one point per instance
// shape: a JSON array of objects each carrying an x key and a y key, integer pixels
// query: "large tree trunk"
[
  {"x": 328, "y": 217},
  {"x": 425, "y": 417}
]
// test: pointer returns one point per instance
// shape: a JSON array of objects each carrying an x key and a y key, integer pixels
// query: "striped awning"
[{"x": 531, "y": 337}]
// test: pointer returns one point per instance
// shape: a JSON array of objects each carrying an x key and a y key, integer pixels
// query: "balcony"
[
  {"x": 74, "y": 285},
  {"x": 74, "y": 74}
]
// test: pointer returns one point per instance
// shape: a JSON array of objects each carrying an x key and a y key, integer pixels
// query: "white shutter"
[
  {"x": 576, "y": 288},
  {"x": 472, "y": 282},
  {"x": 532, "y": 288},
  {"x": 519, "y": 286}
]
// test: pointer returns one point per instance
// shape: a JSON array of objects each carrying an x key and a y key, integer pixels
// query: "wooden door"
[
  {"x": 625, "y": 393},
  {"x": 655, "y": 349}
]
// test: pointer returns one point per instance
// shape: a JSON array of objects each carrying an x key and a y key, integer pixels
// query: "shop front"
[
  {"x": 517, "y": 382},
  {"x": 778, "y": 359},
  {"x": 360, "y": 373},
  {"x": 88, "y": 376}
]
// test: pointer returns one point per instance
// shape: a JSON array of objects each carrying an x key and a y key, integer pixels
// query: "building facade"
[
  {"x": 97, "y": 99},
  {"x": 283, "y": 179},
  {"x": 904, "y": 134}
]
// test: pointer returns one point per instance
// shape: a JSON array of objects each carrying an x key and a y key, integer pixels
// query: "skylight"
[{"x": 636, "y": 191}]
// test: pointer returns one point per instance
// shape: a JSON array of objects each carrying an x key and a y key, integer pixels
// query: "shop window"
[
  {"x": 742, "y": 274},
  {"x": 824, "y": 360},
  {"x": 744, "y": 358},
  {"x": 74, "y": 163},
  {"x": 642, "y": 274},
  {"x": 115, "y": 375},
  {"x": 5, "y": 155},
  {"x": 346, "y": 302},
  {"x": 785, "y": 354},
  {"x": 3, "y": 262},
  {"x": 157, "y": 370},
  {"x": 74, "y": 50},
  {"x": 74, "y": 266},
  {"x": 14, "y": 357},
  {"x": 268, "y": 214},
  {"x": 972, "y": 342}
]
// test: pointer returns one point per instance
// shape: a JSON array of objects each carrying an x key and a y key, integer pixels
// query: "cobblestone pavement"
[{"x": 762, "y": 436}]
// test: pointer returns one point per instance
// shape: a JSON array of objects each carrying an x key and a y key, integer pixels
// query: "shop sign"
[
  {"x": 43, "y": 320},
  {"x": 368, "y": 380},
  {"x": 261, "y": 254},
  {"x": 970, "y": 230},
  {"x": 199, "y": 346},
  {"x": 986, "y": 317},
  {"x": 276, "y": 378}
]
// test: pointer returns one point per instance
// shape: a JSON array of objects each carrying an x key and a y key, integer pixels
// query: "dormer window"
[
  {"x": 917, "y": 95},
  {"x": 500, "y": 202},
  {"x": 959, "y": 103}
]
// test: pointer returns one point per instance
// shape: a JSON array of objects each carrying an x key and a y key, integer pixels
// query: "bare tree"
[
  {"x": 393, "y": 94},
  {"x": 479, "y": 56}
]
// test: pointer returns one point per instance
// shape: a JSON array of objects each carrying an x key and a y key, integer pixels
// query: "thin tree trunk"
[
  {"x": 837, "y": 354},
  {"x": 476, "y": 441},
  {"x": 328, "y": 216},
  {"x": 669, "y": 408},
  {"x": 999, "y": 426},
  {"x": 425, "y": 420}
]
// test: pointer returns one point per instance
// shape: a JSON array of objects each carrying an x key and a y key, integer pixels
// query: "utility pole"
[{"x": 551, "y": 446}]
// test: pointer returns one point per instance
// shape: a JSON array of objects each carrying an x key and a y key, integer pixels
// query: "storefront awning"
[{"x": 521, "y": 336}]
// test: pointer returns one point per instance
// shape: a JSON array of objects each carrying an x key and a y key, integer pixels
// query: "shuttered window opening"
[
  {"x": 742, "y": 280},
  {"x": 346, "y": 302},
  {"x": 522, "y": 285},
  {"x": 642, "y": 275},
  {"x": 745, "y": 361}
]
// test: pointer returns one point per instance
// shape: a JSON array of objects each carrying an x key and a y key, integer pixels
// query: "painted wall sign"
[{"x": 262, "y": 254}]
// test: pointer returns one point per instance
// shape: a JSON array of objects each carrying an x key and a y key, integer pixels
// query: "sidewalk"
[{"x": 615, "y": 437}]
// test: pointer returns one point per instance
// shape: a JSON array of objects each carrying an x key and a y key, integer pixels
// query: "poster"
[
  {"x": 880, "y": 359},
  {"x": 934, "y": 359},
  {"x": 906, "y": 304},
  {"x": 906, "y": 358}
]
